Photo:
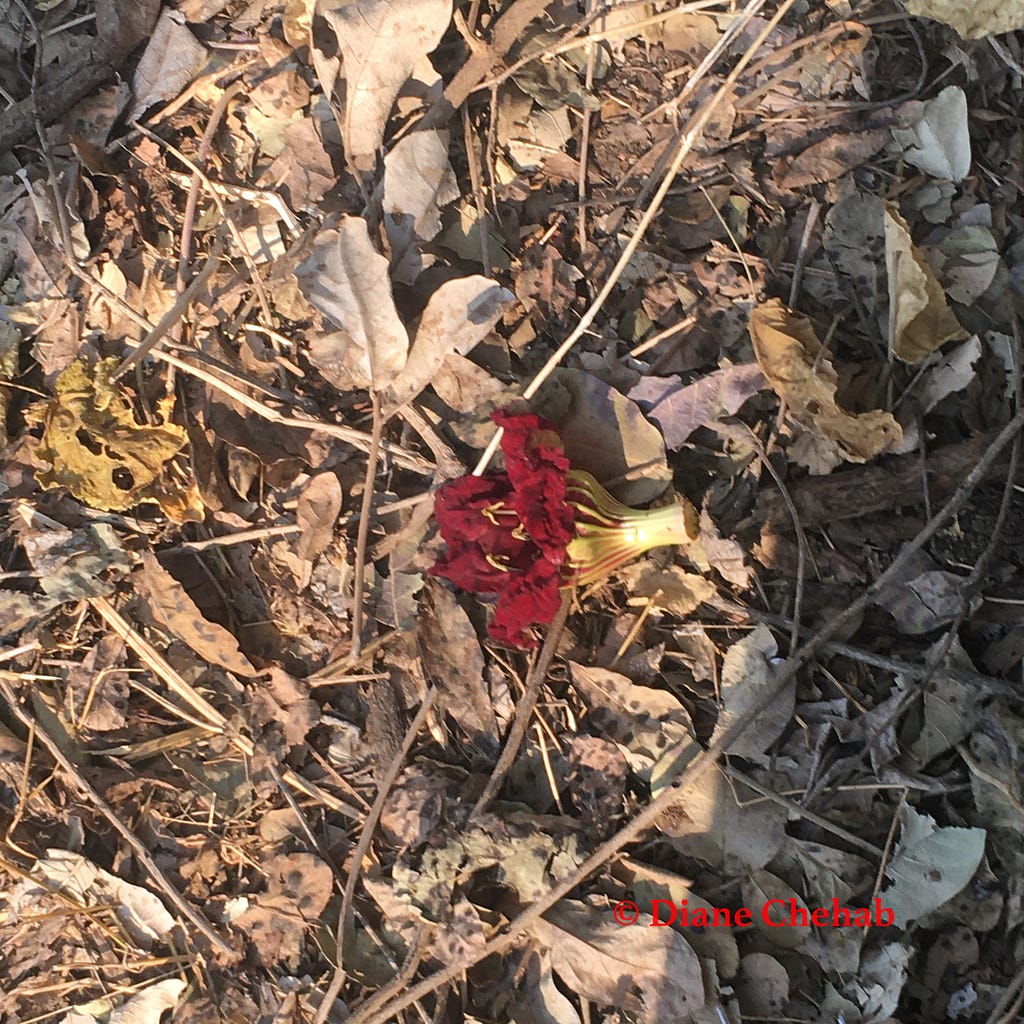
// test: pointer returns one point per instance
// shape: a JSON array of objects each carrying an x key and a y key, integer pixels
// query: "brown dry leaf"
[
  {"x": 681, "y": 409},
  {"x": 644, "y": 721},
  {"x": 924, "y": 321},
  {"x": 801, "y": 374},
  {"x": 458, "y": 316},
  {"x": 380, "y": 42},
  {"x": 177, "y": 612},
  {"x": 451, "y": 655},
  {"x": 671, "y": 588},
  {"x": 173, "y": 57},
  {"x": 831, "y": 158},
  {"x": 347, "y": 280},
  {"x": 316, "y": 513},
  {"x": 973, "y": 18},
  {"x": 298, "y": 888},
  {"x": 542, "y": 1002},
  {"x": 98, "y": 451},
  {"x": 746, "y": 676},
  {"x": 762, "y": 986},
  {"x": 606, "y": 434},
  {"x": 652, "y": 972}
]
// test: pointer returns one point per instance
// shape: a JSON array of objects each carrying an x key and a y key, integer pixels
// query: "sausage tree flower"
[{"x": 539, "y": 526}]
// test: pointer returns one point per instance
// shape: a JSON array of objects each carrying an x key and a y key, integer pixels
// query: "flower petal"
[
  {"x": 531, "y": 598},
  {"x": 537, "y": 468}
]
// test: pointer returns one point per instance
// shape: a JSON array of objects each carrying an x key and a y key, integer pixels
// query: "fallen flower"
[{"x": 525, "y": 533}]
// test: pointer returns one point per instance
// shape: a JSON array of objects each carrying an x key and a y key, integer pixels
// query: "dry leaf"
[
  {"x": 671, "y": 588},
  {"x": 418, "y": 181},
  {"x": 801, "y": 374},
  {"x": 298, "y": 888},
  {"x": 458, "y": 316},
  {"x": 652, "y": 972},
  {"x": 176, "y": 611},
  {"x": 380, "y": 42},
  {"x": 97, "y": 450},
  {"x": 973, "y": 18},
  {"x": 143, "y": 915},
  {"x": 172, "y": 58},
  {"x": 940, "y": 143},
  {"x": 762, "y": 986},
  {"x": 606, "y": 434},
  {"x": 149, "y": 1004},
  {"x": 681, "y": 409},
  {"x": 347, "y": 280},
  {"x": 452, "y": 656},
  {"x": 831, "y": 158},
  {"x": 746, "y": 677},
  {"x": 923, "y": 320},
  {"x": 316, "y": 513}
]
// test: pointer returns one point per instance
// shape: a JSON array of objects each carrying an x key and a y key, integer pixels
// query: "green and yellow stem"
[{"x": 608, "y": 533}]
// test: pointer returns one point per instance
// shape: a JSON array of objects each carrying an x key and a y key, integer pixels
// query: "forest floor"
[{"x": 268, "y": 269}]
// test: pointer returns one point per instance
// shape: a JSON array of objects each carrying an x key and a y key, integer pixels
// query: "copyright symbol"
[{"x": 626, "y": 912}]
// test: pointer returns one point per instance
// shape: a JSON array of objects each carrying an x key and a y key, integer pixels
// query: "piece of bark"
[
  {"x": 893, "y": 483},
  {"x": 124, "y": 24}
]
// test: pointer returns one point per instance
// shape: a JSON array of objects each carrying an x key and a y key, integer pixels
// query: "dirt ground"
[{"x": 692, "y": 694}]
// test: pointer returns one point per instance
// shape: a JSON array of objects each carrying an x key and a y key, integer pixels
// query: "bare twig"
[
  {"x": 524, "y": 709},
  {"x": 363, "y": 531}
]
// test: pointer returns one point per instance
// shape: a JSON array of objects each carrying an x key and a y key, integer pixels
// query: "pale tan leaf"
[
  {"x": 380, "y": 42},
  {"x": 172, "y": 58},
  {"x": 923, "y": 319},
  {"x": 801, "y": 374},
  {"x": 973, "y": 18},
  {"x": 746, "y": 677},
  {"x": 146, "y": 1006},
  {"x": 316, "y": 513},
  {"x": 418, "y": 182},
  {"x": 347, "y": 280},
  {"x": 458, "y": 316},
  {"x": 649, "y": 971}
]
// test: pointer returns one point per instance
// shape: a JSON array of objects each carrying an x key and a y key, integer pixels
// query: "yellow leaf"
[
  {"x": 799, "y": 371},
  {"x": 100, "y": 454},
  {"x": 923, "y": 320}
]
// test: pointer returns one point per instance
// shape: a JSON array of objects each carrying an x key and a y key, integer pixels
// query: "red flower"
[{"x": 525, "y": 533}]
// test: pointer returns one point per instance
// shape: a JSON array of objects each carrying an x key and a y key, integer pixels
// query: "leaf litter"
[{"x": 259, "y": 304}]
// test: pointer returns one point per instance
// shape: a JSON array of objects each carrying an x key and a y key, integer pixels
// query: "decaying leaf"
[
  {"x": 681, "y": 409},
  {"x": 172, "y": 58},
  {"x": 762, "y": 986},
  {"x": 316, "y": 513},
  {"x": 800, "y": 372},
  {"x": 723, "y": 823},
  {"x": 72, "y": 563},
  {"x": 418, "y": 182},
  {"x": 671, "y": 588},
  {"x": 939, "y": 144},
  {"x": 746, "y": 676},
  {"x": 649, "y": 971},
  {"x": 143, "y": 915},
  {"x": 298, "y": 888},
  {"x": 923, "y": 319},
  {"x": 98, "y": 451},
  {"x": 929, "y": 866},
  {"x": 973, "y": 18},
  {"x": 347, "y": 280},
  {"x": 606, "y": 434},
  {"x": 174, "y": 609},
  {"x": 147, "y": 1006},
  {"x": 645, "y": 722},
  {"x": 451, "y": 655},
  {"x": 458, "y": 316},
  {"x": 380, "y": 42}
]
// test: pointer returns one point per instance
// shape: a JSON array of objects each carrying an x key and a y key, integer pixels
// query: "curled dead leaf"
[
  {"x": 801, "y": 374},
  {"x": 923, "y": 320}
]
